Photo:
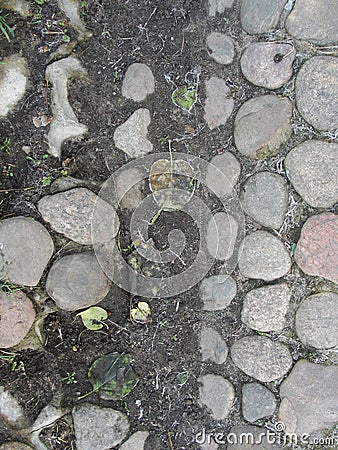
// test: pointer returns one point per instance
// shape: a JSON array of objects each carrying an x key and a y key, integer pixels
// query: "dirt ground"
[{"x": 170, "y": 38}]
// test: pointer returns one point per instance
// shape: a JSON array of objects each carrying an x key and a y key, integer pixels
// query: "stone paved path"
[{"x": 284, "y": 287}]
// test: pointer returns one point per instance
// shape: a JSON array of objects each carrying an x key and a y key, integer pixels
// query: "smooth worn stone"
[
  {"x": 98, "y": 428},
  {"x": 217, "y": 394},
  {"x": 317, "y": 320},
  {"x": 129, "y": 191},
  {"x": 138, "y": 82},
  {"x": 262, "y": 126},
  {"x": 309, "y": 399},
  {"x": 136, "y": 441},
  {"x": 25, "y": 250},
  {"x": 77, "y": 281},
  {"x": 264, "y": 197},
  {"x": 263, "y": 256},
  {"x": 13, "y": 82},
  {"x": 131, "y": 136},
  {"x": 222, "y": 174},
  {"x": 257, "y": 402},
  {"x": 315, "y": 21},
  {"x": 221, "y": 236},
  {"x": 16, "y": 317},
  {"x": 265, "y": 308},
  {"x": 72, "y": 10},
  {"x": 219, "y": 104},
  {"x": 213, "y": 346},
  {"x": 66, "y": 183},
  {"x": 15, "y": 445},
  {"x": 21, "y": 7},
  {"x": 312, "y": 168},
  {"x": 317, "y": 249},
  {"x": 250, "y": 437},
  {"x": 11, "y": 410},
  {"x": 70, "y": 213},
  {"x": 261, "y": 358},
  {"x": 65, "y": 124},
  {"x": 266, "y": 64},
  {"x": 317, "y": 92},
  {"x": 260, "y": 17},
  {"x": 221, "y": 47},
  {"x": 219, "y": 6},
  {"x": 217, "y": 292}
]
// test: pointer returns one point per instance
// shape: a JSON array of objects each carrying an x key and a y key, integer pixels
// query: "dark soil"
[{"x": 170, "y": 38}]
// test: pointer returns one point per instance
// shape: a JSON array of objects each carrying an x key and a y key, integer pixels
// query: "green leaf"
[
  {"x": 92, "y": 317},
  {"x": 141, "y": 314},
  {"x": 112, "y": 376},
  {"x": 184, "y": 97}
]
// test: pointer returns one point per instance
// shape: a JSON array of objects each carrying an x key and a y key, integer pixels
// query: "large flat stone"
[
  {"x": 317, "y": 320},
  {"x": 317, "y": 92},
  {"x": 260, "y": 17},
  {"x": 312, "y": 168},
  {"x": 217, "y": 292},
  {"x": 16, "y": 318},
  {"x": 262, "y": 66},
  {"x": 309, "y": 399},
  {"x": 263, "y": 256},
  {"x": 262, "y": 126},
  {"x": 131, "y": 136},
  {"x": 76, "y": 282},
  {"x": 314, "y": 21},
  {"x": 98, "y": 428},
  {"x": 26, "y": 248},
  {"x": 13, "y": 82},
  {"x": 219, "y": 103},
  {"x": 261, "y": 358},
  {"x": 264, "y": 197},
  {"x": 70, "y": 213},
  {"x": 217, "y": 394},
  {"x": 257, "y": 402},
  {"x": 222, "y": 174},
  {"x": 265, "y": 308},
  {"x": 136, "y": 441},
  {"x": 138, "y": 82},
  {"x": 11, "y": 410},
  {"x": 317, "y": 249}
]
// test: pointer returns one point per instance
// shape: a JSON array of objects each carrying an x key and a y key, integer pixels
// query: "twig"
[
  {"x": 19, "y": 189},
  {"x": 170, "y": 441}
]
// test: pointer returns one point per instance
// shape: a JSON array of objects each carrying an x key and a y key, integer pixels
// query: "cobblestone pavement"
[{"x": 260, "y": 325}]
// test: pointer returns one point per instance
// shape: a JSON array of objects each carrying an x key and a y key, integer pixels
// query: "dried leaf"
[{"x": 141, "y": 313}]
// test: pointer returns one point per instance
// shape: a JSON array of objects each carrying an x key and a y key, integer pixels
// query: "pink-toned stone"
[
  {"x": 17, "y": 316},
  {"x": 317, "y": 249}
]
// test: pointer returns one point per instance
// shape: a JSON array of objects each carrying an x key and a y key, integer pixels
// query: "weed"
[
  {"x": 14, "y": 365},
  {"x": 47, "y": 180},
  {"x": 7, "y": 170},
  {"x": 8, "y": 288},
  {"x": 6, "y": 145},
  {"x": 70, "y": 378},
  {"x": 5, "y": 29}
]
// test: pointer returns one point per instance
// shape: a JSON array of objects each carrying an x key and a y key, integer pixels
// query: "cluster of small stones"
[{"x": 262, "y": 127}]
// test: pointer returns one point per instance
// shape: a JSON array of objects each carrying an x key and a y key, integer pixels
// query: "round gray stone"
[
  {"x": 221, "y": 47},
  {"x": 11, "y": 410},
  {"x": 217, "y": 292},
  {"x": 263, "y": 256},
  {"x": 317, "y": 92},
  {"x": 13, "y": 82},
  {"x": 136, "y": 441},
  {"x": 264, "y": 197},
  {"x": 213, "y": 346},
  {"x": 227, "y": 164},
  {"x": 98, "y": 428},
  {"x": 25, "y": 250},
  {"x": 138, "y": 82},
  {"x": 312, "y": 168},
  {"x": 265, "y": 308},
  {"x": 257, "y": 402},
  {"x": 317, "y": 320},
  {"x": 77, "y": 281},
  {"x": 219, "y": 103},
  {"x": 131, "y": 136},
  {"x": 70, "y": 213},
  {"x": 217, "y": 394},
  {"x": 260, "y": 17},
  {"x": 314, "y": 21},
  {"x": 261, "y": 358},
  {"x": 218, "y": 6},
  {"x": 16, "y": 318},
  {"x": 221, "y": 236},
  {"x": 260, "y": 66},
  {"x": 309, "y": 399},
  {"x": 14, "y": 445},
  {"x": 262, "y": 126},
  {"x": 250, "y": 437}
]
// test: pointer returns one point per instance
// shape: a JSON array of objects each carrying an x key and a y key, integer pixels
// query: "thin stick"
[{"x": 170, "y": 441}]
